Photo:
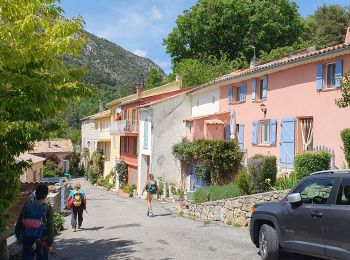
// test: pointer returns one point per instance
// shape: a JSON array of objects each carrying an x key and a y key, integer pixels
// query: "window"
[
  {"x": 133, "y": 146},
  {"x": 261, "y": 88},
  {"x": 316, "y": 191},
  {"x": 331, "y": 75},
  {"x": 125, "y": 145},
  {"x": 343, "y": 197},
  {"x": 125, "y": 114},
  {"x": 265, "y": 132},
  {"x": 238, "y": 94}
]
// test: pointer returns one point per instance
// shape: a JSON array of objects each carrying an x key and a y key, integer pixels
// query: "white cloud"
[
  {"x": 156, "y": 14},
  {"x": 139, "y": 52}
]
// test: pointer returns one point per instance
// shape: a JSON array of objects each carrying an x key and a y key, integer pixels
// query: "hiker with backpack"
[
  {"x": 77, "y": 202},
  {"x": 35, "y": 229},
  {"x": 151, "y": 187}
]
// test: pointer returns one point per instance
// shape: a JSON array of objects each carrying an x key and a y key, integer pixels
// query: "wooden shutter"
[
  {"x": 264, "y": 90},
  {"x": 273, "y": 128},
  {"x": 230, "y": 95},
  {"x": 338, "y": 73},
  {"x": 145, "y": 135},
  {"x": 253, "y": 89},
  {"x": 255, "y": 132},
  {"x": 243, "y": 91},
  {"x": 319, "y": 77}
]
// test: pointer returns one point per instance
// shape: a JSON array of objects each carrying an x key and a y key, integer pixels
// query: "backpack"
[
  {"x": 152, "y": 187},
  {"x": 34, "y": 221},
  {"x": 77, "y": 199}
]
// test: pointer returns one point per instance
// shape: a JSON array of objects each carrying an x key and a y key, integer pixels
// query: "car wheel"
[{"x": 268, "y": 243}]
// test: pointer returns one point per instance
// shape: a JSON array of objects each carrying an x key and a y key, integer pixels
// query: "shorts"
[{"x": 149, "y": 196}]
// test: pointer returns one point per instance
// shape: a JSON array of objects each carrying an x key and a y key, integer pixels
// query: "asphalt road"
[{"x": 118, "y": 228}]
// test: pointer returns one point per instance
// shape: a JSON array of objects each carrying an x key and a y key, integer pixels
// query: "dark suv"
[{"x": 313, "y": 219}]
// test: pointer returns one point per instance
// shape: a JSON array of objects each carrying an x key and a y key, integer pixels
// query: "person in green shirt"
[{"x": 35, "y": 226}]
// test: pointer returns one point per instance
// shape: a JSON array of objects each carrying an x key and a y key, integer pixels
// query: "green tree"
[
  {"x": 35, "y": 84},
  {"x": 344, "y": 101},
  {"x": 199, "y": 71},
  {"x": 328, "y": 25},
  {"x": 154, "y": 78},
  {"x": 217, "y": 27}
]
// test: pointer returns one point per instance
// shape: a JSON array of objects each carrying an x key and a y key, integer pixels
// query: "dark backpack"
[
  {"x": 152, "y": 187},
  {"x": 34, "y": 221}
]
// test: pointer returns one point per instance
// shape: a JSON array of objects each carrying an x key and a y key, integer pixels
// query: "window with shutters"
[
  {"x": 331, "y": 75},
  {"x": 265, "y": 132},
  {"x": 238, "y": 94},
  {"x": 261, "y": 86}
]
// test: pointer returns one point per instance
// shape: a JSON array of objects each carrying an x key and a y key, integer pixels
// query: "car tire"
[{"x": 268, "y": 243}]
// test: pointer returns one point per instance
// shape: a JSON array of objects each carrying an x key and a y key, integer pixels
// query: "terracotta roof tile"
[{"x": 53, "y": 146}]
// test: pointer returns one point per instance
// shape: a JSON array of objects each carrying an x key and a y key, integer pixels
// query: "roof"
[
  {"x": 305, "y": 56},
  {"x": 213, "y": 122},
  {"x": 172, "y": 86},
  {"x": 102, "y": 114},
  {"x": 29, "y": 157},
  {"x": 53, "y": 146},
  {"x": 185, "y": 91}
]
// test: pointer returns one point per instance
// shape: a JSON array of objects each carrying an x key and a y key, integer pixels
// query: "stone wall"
[{"x": 235, "y": 211}]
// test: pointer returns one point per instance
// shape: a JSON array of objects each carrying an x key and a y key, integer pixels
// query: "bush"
[
  {"x": 286, "y": 182},
  {"x": 50, "y": 169},
  {"x": 220, "y": 158},
  {"x": 345, "y": 136},
  {"x": 129, "y": 189},
  {"x": 122, "y": 171},
  {"x": 91, "y": 175},
  {"x": 57, "y": 223},
  {"x": 262, "y": 173},
  {"x": 50, "y": 174},
  {"x": 308, "y": 162},
  {"x": 242, "y": 182},
  {"x": 216, "y": 192}
]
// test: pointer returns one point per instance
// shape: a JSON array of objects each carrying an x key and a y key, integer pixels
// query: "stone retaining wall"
[{"x": 235, "y": 211}]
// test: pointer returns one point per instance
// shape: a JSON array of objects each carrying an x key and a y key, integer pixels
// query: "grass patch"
[{"x": 216, "y": 192}]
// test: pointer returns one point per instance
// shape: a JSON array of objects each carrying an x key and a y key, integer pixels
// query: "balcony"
[{"x": 124, "y": 126}]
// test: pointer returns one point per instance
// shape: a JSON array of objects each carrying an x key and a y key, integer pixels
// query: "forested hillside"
[{"x": 113, "y": 70}]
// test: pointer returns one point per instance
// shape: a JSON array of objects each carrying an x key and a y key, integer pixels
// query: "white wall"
[
  {"x": 205, "y": 102},
  {"x": 168, "y": 129}
]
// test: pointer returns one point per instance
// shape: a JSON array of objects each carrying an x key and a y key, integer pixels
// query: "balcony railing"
[{"x": 124, "y": 126}]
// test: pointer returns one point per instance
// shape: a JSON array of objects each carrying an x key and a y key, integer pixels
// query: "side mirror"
[{"x": 294, "y": 198}]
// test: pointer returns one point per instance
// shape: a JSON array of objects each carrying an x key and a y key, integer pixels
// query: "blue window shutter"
[
  {"x": 255, "y": 132},
  {"x": 243, "y": 91},
  {"x": 229, "y": 95},
  {"x": 145, "y": 136},
  {"x": 319, "y": 77},
  {"x": 264, "y": 92},
  {"x": 241, "y": 136},
  {"x": 338, "y": 73},
  {"x": 253, "y": 89},
  {"x": 273, "y": 125}
]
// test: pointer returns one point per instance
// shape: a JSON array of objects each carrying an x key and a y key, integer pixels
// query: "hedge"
[
  {"x": 216, "y": 192},
  {"x": 345, "y": 136},
  {"x": 308, "y": 162}
]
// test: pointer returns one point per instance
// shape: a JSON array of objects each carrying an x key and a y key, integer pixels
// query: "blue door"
[
  {"x": 287, "y": 144},
  {"x": 196, "y": 182}
]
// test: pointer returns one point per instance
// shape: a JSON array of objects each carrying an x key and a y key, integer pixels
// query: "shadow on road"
[
  {"x": 289, "y": 256},
  {"x": 80, "y": 248},
  {"x": 124, "y": 226},
  {"x": 161, "y": 215},
  {"x": 92, "y": 229}
]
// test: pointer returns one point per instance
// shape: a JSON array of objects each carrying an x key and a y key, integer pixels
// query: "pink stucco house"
[{"x": 283, "y": 107}]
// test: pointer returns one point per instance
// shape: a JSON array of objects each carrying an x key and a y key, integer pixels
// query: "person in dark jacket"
[
  {"x": 39, "y": 243},
  {"x": 77, "y": 202}
]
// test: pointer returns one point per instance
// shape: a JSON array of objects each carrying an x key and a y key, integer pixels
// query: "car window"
[
  {"x": 343, "y": 197},
  {"x": 316, "y": 191}
]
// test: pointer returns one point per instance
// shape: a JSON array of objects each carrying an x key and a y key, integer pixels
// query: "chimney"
[
  {"x": 138, "y": 90},
  {"x": 178, "y": 78},
  {"x": 254, "y": 62},
  {"x": 347, "y": 37},
  {"x": 100, "y": 106}
]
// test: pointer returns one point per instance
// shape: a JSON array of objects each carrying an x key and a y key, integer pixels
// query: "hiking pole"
[{"x": 86, "y": 211}]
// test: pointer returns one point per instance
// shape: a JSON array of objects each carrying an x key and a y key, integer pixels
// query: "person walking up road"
[
  {"x": 77, "y": 202},
  {"x": 151, "y": 187},
  {"x": 35, "y": 229}
]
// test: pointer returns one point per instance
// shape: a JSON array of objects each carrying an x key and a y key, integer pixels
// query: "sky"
[{"x": 140, "y": 26}]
